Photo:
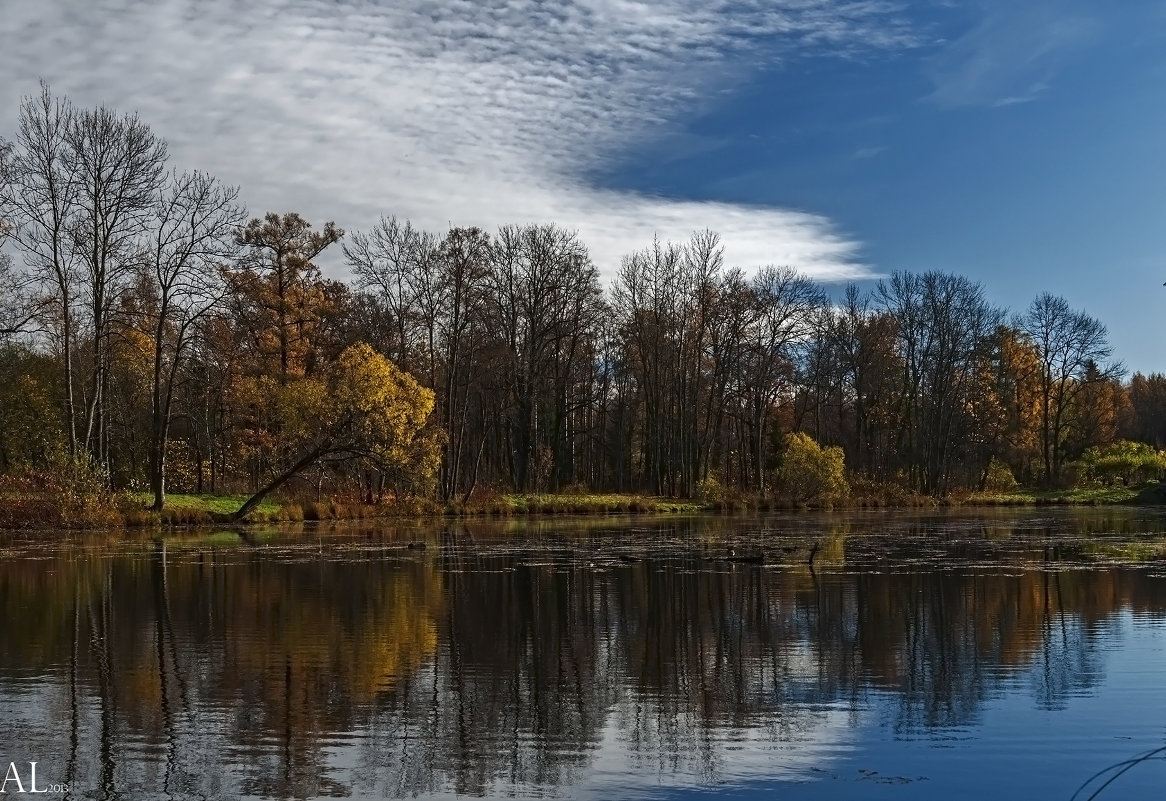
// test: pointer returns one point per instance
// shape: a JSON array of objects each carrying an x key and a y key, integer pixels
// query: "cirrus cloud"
[{"x": 456, "y": 112}]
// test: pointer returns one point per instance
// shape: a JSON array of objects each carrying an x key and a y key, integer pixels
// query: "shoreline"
[{"x": 127, "y": 512}]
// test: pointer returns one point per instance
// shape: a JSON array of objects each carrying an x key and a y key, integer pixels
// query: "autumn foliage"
[
  {"x": 196, "y": 350},
  {"x": 810, "y": 473}
]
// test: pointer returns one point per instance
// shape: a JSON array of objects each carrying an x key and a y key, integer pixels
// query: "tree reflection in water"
[{"x": 498, "y": 660}]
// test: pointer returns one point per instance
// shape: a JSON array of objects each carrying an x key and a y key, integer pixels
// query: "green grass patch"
[
  {"x": 184, "y": 509},
  {"x": 211, "y": 504},
  {"x": 1083, "y": 496}
]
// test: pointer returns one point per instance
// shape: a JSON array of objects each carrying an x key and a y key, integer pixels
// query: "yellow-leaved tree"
[
  {"x": 810, "y": 473},
  {"x": 361, "y": 407}
]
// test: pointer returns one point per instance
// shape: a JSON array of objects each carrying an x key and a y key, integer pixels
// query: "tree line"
[{"x": 154, "y": 335}]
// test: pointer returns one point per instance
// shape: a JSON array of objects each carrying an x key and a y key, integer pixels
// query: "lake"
[{"x": 963, "y": 654}]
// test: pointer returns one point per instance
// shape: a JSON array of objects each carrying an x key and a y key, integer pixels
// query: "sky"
[{"x": 1018, "y": 143}]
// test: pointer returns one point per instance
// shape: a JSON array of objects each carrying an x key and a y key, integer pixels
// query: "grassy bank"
[
  {"x": 220, "y": 507},
  {"x": 40, "y": 510},
  {"x": 1150, "y": 493},
  {"x": 45, "y": 511},
  {"x": 191, "y": 509}
]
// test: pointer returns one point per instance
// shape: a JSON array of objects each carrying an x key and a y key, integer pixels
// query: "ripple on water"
[{"x": 924, "y": 655}]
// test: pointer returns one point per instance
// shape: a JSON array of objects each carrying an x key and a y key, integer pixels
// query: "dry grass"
[{"x": 36, "y": 501}]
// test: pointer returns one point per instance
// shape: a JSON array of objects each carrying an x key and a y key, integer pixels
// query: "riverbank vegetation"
[
  {"x": 1095, "y": 495},
  {"x": 155, "y": 340}
]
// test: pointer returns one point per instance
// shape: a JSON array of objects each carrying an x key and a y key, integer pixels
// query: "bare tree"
[
  {"x": 38, "y": 195},
  {"x": 18, "y": 309},
  {"x": 543, "y": 291},
  {"x": 645, "y": 300},
  {"x": 464, "y": 264},
  {"x": 1074, "y": 352},
  {"x": 117, "y": 165},
  {"x": 785, "y": 305},
  {"x": 943, "y": 323},
  {"x": 734, "y": 310},
  {"x": 192, "y": 233},
  {"x": 865, "y": 341},
  {"x": 700, "y": 379},
  {"x": 391, "y": 261}
]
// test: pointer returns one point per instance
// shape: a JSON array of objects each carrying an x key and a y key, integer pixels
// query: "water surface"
[{"x": 992, "y": 654}]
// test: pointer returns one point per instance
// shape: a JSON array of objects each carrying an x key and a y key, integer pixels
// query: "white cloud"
[{"x": 465, "y": 112}]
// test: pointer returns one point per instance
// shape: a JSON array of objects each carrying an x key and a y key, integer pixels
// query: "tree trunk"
[
  {"x": 158, "y": 423},
  {"x": 70, "y": 404},
  {"x": 307, "y": 461}
]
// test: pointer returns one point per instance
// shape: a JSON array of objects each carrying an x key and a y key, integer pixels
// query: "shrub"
[
  {"x": 710, "y": 490},
  {"x": 67, "y": 494},
  {"x": 1000, "y": 477},
  {"x": 810, "y": 473},
  {"x": 1125, "y": 460}
]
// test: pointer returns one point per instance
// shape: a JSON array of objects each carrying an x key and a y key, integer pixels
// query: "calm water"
[{"x": 925, "y": 656}]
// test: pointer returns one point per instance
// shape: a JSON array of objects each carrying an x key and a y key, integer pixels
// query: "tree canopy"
[
  {"x": 166, "y": 340},
  {"x": 360, "y": 407}
]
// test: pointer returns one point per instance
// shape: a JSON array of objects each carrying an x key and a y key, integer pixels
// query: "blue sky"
[
  {"x": 1024, "y": 147},
  {"x": 1019, "y": 143}
]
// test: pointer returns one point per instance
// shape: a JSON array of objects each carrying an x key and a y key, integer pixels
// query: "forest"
[{"x": 156, "y": 338}]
